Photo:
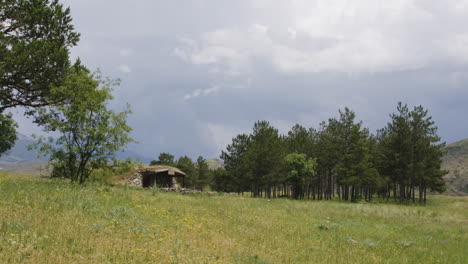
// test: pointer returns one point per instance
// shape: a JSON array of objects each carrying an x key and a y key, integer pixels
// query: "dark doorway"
[{"x": 160, "y": 179}]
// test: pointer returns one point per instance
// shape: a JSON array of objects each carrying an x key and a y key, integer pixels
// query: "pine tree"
[
  {"x": 185, "y": 164},
  {"x": 426, "y": 156},
  {"x": 237, "y": 164},
  {"x": 354, "y": 168},
  {"x": 410, "y": 154},
  {"x": 164, "y": 159},
  {"x": 265, "y": 153},
  {"x": 203, "y": 174}
]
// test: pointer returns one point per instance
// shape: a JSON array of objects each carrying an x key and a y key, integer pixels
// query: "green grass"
[{"x": 52, "y": 221}]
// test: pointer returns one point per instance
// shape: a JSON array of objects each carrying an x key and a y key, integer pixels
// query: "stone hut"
[{"x": 161, "y": 176}]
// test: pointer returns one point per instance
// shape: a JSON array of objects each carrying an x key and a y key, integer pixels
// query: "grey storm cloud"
[{"x": 197, "y": 73}]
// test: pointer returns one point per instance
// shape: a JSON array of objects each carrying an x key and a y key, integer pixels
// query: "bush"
[{"x": 109, "y": 174}]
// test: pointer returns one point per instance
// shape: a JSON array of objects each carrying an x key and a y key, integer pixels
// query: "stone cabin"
[{"x": 159, "y": 175}]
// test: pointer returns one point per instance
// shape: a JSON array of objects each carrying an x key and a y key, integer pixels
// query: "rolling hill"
[
  {"x": 456, "y": 161},
  {"x": 19, "y": 153},
  {"x": 214, "y": 163},
  {"x": 20, "y": 159}
]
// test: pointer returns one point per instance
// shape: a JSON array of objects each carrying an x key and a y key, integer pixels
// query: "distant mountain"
[
  {"x": 19, "y": 155},
  {"x": 456, "y": 161},
  {"x": 214, "y": 164}
]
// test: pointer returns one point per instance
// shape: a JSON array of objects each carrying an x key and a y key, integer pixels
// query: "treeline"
[{"x": 339, "y": 160}]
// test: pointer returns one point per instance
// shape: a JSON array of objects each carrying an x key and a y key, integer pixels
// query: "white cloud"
[
  {"x": 124, "y": 68},
  {"x": 243, "y": 45},
  {"x": 199, "y": 92},
  {"x": 210, "y": 90},
  {"x": 341, "y": 36}
]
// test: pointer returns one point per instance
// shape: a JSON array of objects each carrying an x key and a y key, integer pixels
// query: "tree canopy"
[
  {"x": 88, "y": 132},
  {"x": 341, "y": 158},
  {"x": 35, "y": 38}
]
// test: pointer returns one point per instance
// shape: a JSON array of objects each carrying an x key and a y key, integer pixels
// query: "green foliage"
[
  {"x": 265, "y": 155},
  {"x": 202, "y": 175},
  {"x": 7, "y": 132},
  {"x": 89, "y": 133},
  {"x": 35, "y": 38},
  {"x": 299, "y": 140},
  {"x": 164, "y": 159},
  {"x": 411, "y": 156},
  {"x": 348, "y": 161},
  {"x": 300, "y": 171},
  {"x": 186, "y": 165},
  {"x": 109, "y": 173},
  {"x": 236, "y": 162},
  {"x": 223, "y": 181},
  {"x": 354, "y": 169}
]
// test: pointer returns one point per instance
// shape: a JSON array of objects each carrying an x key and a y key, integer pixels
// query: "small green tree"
[
  {"x": 88, "y": 132},
  {"x": 164, "y": 159},
  {"x": 300, "y": 168}
]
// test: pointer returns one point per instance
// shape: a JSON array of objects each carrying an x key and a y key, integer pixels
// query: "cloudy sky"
[{"x": 198, "y": 72}]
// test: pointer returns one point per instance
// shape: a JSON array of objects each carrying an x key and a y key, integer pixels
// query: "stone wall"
[{"x": 136, "y": 180}]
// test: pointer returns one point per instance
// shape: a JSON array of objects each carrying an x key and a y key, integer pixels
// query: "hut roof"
[{"x": 162, "y": 168}]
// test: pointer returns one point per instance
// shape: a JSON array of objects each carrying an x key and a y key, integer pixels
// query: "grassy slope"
[
  {"x": 456, "y": 161},
  {"x": 44, "y": 221},
  {"x": 214, "y": 164}
]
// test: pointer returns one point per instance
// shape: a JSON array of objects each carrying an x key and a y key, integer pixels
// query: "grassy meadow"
[{"x": 52, "y": 221}]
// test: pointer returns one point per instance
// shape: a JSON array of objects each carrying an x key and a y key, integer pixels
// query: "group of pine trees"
[{"x": 340, "y": 160}]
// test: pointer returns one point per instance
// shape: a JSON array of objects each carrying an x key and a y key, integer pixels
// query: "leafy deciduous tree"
[
  {"x": 35, "y": 37},
  {"x": 300, "y": 168},
  {"x": 88, "y": 132}
]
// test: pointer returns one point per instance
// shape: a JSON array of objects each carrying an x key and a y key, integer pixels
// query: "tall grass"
[{"x": 52, "y": 221}]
